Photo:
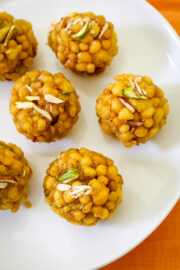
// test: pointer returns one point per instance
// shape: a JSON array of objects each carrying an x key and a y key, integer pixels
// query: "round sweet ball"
[
  {"x": 83, "y": 186},
  {"x": 18, "y": 46},
  {"x": 14, "y": 177},
  {"x": 44, "y": 106},
  {"x": 83, "y": 42},
  {"x": 132, "y": 109}
]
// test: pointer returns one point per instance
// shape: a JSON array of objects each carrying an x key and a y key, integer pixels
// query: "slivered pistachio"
[
  {"x": 130, "y": 93},
  {"x": 68, "y": 176},
  {"x": 9, "y": 35},
  {"x": 32, "y": 79},
  {"x": 4, "y": 145},
  {"x": 82, "y": 32},
  {"x": 3, "y": 32},
  {"x": 66, "y": 94}
]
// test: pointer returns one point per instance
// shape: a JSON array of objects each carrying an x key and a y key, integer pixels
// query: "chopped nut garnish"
[
  {"x": 3, "y": 32},
  {"x": 144, "y": 92},
  {"x": 68, "y": 176},
  {"x": 28, "y": 87},
  {"x": 63, "y": 187},
  {"x": 130, "y": 92},
  {"x": 43, "y": 112},
  {"x": 24, "y": 105},
  {"x": 8, "y": 179},
  {"x": 105, "y": 27},
  {"x": 9, "y": 35},
  {"x": 66, "y": 94},
  {"x": 41, "y": 76},
  {"x": 137, "y": 85},
  {"x": 75, "y": 191},
  {"x": 127, "y": 105},
  {"x": 82, "y": 32},
  {"x": 30, "y": 105},
  {"x": 3, "y": 185},
  {"x": 32, "y": 98},
  {"x": 53, "y": 99}
]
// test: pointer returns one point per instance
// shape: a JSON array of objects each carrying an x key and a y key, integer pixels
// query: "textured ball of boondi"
[
  {"x": 14, "y": 177},
  {"x": 83, "y": 42},
  {"x": 83, "y": 186},
  {"x": 44, "y": 106},
  {"x": 133, "y": 109},
  {"x": 18, "y": 46}
]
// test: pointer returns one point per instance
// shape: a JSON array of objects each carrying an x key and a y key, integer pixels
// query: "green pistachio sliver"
[
  {"x": 5, "y": 145},
  {"x": 32, "y": 79},
  {"x": 68, "y": 176},
  {"x": 9, "y": 35},
  {"x": 3, "y": 32},
  {"x": 66, "y": 94},
  {"x": 82, "y": 32},
  {"x": 130, "y": 93}
]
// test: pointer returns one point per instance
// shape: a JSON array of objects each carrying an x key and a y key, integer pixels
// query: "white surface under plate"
[{"x": 36, "y": 238}]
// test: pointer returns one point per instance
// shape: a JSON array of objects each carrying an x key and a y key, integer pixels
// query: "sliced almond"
[
  {"x": 3, "y": 185},
  {"x": 127, "y": 105},
  {"x": 41, "y": 76},
  {"x": 30, "y": 105},
  {"x": 3, "y": 32},
  {"x": 24, "y": 173},
  {"x": 131, "y": 82},
  {"x": 24, "y": 105},
  {"x": 9, "y": 35},
  {"x": 144, "y": 92},
  {"x": 32, "y": 98},
  {"x": 43, "y": 112},
  {"x": 53, "y": 99},
  {"x": 63, "y": 187},
  {"x": 28, "y": 87},
  {"x": 61, "y": 23},
  {"x": 77, "y": 191},
  {"x": 106, "y": 26},
  {"x": 8, "y": 179},
  {"x": 137, "y": 85}
]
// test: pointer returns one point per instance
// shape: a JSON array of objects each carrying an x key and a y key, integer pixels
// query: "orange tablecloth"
[{"x": 161, "y": 250}]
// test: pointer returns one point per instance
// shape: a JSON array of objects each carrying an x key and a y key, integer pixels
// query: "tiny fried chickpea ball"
[
  {"x": 83, "y": 186},
  {"x": 132, "y": 109},
  {"x": 18, "y": 46},
  {"x": 14, "y": 177},
  {"x": 83, "y": 42},
  {"x": 44, "y": 106}
]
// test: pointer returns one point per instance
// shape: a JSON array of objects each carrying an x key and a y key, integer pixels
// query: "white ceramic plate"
[{"x": 36, "y": 238}]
